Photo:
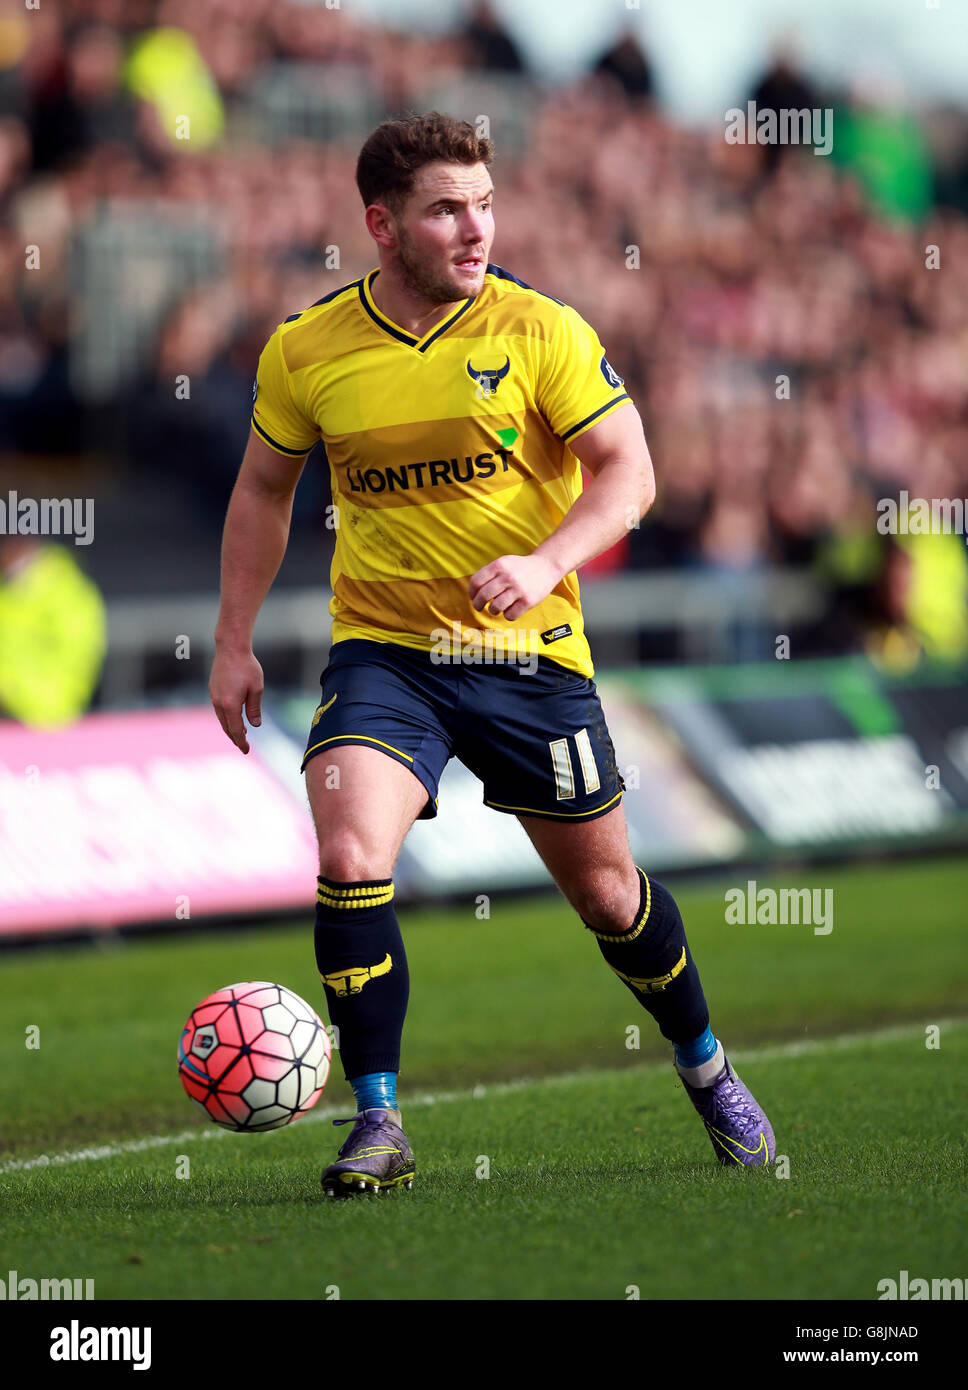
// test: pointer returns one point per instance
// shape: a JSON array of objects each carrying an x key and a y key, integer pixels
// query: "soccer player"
[{"x": 456, "y": 405}]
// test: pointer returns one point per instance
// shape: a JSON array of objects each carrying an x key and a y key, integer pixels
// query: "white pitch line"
[{"x": 779, "y": 1052}]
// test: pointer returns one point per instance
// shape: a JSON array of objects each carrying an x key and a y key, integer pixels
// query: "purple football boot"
[
  {"x": 374, "y": 1158},
  {"x": 738, "y": 1128}
]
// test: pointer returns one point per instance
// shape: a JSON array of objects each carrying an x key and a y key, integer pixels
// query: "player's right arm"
[{"x": 253, "y": 545}]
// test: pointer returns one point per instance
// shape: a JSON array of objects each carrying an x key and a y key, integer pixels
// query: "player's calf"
[
  {"x": 652, "y": 958},
  {"x": 363, "y": 966}
]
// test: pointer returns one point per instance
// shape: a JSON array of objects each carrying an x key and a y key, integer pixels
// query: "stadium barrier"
[
  {"x": 148, "y": 815},
  {"x": 154, "y": 816},
  {"x": 698, "y": 606}
]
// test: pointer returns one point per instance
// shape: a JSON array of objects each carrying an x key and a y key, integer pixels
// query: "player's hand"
[
  {"x": 512, "y": 584},
  {"x": 236, "y": 683}
]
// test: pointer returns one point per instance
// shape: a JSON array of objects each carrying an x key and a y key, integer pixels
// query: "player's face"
[{"x": 446, "y": 230}]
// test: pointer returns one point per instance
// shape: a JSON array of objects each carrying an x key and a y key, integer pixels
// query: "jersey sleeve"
[
  {"x": 276, "y": 416},
  {"x": 577, "y": 386}
]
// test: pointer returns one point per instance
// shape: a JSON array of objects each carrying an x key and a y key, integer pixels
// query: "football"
[{"x": 254, "y": 1056}]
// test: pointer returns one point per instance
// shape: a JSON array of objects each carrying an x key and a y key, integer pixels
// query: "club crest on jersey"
[
  {"x": 488, "y": 378},
  {"x": 609, "y": 372}
]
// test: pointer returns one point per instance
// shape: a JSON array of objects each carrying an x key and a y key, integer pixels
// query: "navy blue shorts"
[{"x": 538, "y": 741}]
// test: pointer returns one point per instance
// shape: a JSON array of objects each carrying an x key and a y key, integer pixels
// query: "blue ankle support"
[
  {"x": 376, "y": 1091},
  {"x": 693, "y": 1054}
]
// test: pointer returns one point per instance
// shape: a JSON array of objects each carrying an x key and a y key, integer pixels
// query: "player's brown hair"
[{"x": 391, "y": 156}]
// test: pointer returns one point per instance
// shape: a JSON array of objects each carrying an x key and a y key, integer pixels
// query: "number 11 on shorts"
[{"x": 564, "y": 768}]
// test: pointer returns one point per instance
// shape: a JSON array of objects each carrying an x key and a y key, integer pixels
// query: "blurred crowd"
[{"x": 794, "y": 345}]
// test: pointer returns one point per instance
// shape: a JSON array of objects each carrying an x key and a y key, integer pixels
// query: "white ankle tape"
[{"x": 705, "y": 1074}]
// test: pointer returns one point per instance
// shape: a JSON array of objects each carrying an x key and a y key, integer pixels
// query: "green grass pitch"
[{"x": 599, "y": 1177}]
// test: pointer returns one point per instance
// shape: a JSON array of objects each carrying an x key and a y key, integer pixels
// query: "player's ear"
[{"x": 381, "y": 225}]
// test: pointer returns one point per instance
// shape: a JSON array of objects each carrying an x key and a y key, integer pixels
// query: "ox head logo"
[
  {"x": 487, "y": 378},
  {"x": 351, "y": 981}
]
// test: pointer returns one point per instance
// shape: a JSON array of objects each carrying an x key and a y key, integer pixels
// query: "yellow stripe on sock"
[
  {"x": 353, "y": 897},
  {"x": 656, "y": 983},
  {"x": 354, "y": 890}
]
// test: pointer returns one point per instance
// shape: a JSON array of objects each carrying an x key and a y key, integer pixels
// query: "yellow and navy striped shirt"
[{"x": 445, "y": 452}]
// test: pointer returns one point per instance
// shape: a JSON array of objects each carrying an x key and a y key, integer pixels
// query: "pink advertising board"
[{"x": 148, "y": 815}]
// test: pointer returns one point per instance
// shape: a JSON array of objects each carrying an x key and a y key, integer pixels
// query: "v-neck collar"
[{"x": 394, "y": 329}]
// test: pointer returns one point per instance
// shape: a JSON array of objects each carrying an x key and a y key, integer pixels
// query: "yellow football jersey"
[{"x": 445, "y": 452}]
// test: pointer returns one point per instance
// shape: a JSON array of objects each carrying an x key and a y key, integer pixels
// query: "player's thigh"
[
  {"x": 363, "y": 803},
  {"x": 592, "y": 865}
]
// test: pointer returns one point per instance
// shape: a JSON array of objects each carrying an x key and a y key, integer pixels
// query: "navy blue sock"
[
  {"x": 653, "y": 960},
  {"x": 360, "y": 956}
]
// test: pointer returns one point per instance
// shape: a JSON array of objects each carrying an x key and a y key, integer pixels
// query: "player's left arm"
[{"x": 621, "y": 491}]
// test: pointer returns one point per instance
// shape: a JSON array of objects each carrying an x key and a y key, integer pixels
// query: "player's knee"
[
  {"x": 607, "y": 899},
  {"x": 344, "y": 858}
]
